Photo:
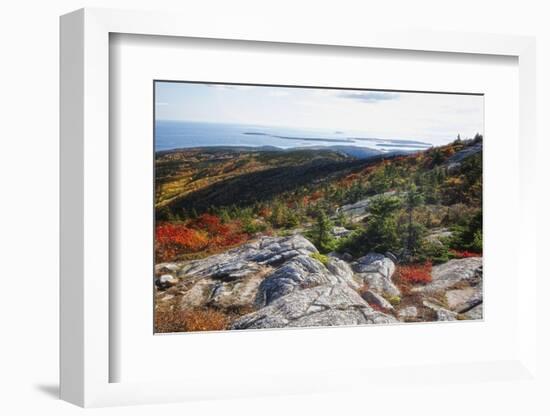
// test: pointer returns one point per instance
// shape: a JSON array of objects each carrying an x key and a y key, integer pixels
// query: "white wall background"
[{"x": 29, "y": 184}]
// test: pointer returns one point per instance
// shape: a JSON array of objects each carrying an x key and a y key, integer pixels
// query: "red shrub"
[
  {"x": 210, "y": 223},
  {"x": 463, "y": 254},
  {"x": 205, "y": 233},
  {"x": 415, "y": 273},
  {"x": 377, "y": 307},
  {"x": 172, "y": 239},
  {"x": 181, "y": 235}
]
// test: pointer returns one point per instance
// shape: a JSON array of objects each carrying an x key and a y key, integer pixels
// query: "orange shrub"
[
  {"x": 315, "y": 196},
  {"x": 190, "y": 321},
  {"x": 173, "y": 239},
  {"x": 210, "y": 223},
  {"x": 415, "y": 273},
  {"x": 449, "y": 151},
  {"x": 265, "y": 212}
]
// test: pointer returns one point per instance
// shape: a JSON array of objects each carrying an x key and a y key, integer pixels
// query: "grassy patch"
[{"x": 320, "y": 257}]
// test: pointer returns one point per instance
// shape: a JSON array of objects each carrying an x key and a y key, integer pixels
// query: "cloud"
[
  {"x": 221, "y": 86},
  {"x": 231, "y": 86},
  {"x": 278, "y": 93},
  {"x": 370, "y": 96}
]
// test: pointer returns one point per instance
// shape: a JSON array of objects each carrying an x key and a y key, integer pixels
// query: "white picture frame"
[{"x": 85, "y": 210}]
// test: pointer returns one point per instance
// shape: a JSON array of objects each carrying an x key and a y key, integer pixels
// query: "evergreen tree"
[
  {"x": 322, "y": 237},
  {"x": 380, "y": 233},
  {"x": 414, "y": 236}
]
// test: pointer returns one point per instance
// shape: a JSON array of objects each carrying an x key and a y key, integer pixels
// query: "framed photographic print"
[
  {"x": 270, "y": 214},
  {"x": 318, "y": 212}
]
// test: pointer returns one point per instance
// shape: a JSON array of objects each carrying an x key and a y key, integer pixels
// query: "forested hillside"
[{"x": 417, "y": 211}]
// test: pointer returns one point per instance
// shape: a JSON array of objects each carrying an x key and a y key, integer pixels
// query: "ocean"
[{"x": 183, "y": 134}]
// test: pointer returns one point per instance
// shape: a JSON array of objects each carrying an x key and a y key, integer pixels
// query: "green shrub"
[
  {"x": 253, "y": 226},
  {"x": 394, "y": 300},
  {"x": 469, "y": 236},
  {"x": 321, "y": 233},
  {"x": 435, "y": 252},
  {"x": 320, "y": 257}
]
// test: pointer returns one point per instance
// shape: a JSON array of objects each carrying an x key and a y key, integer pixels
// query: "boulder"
[
  {"x": 325, "y": 305},
  {"x": 443, "y": 314},
  {"x": 165, "y": 281},
  {"x": 437, "y": 235},
  {"x": 163, "y": 268},
  {"x": 342, "y": 256},
  {"x": 375, "y": 263},
  {"x": 238, "y": 294},
  {"x": 340, "y": 232},
  {"x": 347, "y": 257},
  {"x": 446, "y": 315},
  {"x": 220, "y": 268},
  {"x": 343, "y": 272},
  {"x": 376, "y": 271},
  {"x": 358, "y": 210},
  {"x": 375, "y": 299},
  {"x": 303, "y": 272},
  {"x": 459, "y": 282},
  {"x": 446, "y": 275},
  {"x": 248, "y": 259},
  {"x": 408, "y": 312},
  {"x": 462, "y": 300},
  {"x": 474, "y": 313},
  {"x": 212, "y": 292}
]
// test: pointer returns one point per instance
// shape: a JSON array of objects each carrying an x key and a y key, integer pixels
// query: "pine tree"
[
  {"x": 322, "y": 232},
  {"x": 413, "y": 199}
]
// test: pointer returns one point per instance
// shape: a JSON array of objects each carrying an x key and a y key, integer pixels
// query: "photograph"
[{"x": 279, "y": 206}]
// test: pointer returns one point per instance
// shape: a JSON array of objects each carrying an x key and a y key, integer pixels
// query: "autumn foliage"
[
  {"x": 415, "y": 273},
  {"x": 463, "y": 254},
  {"x": 205, "y": 232},
  {"x": 192, "y": 320},
  {"x": 172, "y": 239}
]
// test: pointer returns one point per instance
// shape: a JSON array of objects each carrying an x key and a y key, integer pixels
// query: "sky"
[{"x": 434, "y": 118}]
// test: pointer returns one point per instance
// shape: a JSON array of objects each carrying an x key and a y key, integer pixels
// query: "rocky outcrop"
[
  {"x": 248, "y": 259},
  {"x": 409, "y": 312},
  {"x": 165, "y": 281},
  {"x": 235, "y": 294},
  {"x": 326, "y": 305},
  {"x": 446, "y": 315},
  {"x": 441, "y": 313},
  {"x": 459, "y": 284},
  {"x": 376, "y": 271},
  {"x": 358, "y": 211},
  {"x": 343, "y": 272},
  {"x": 456, "y": 160},
  {"x": 462, "y": 300},
  {"x": 376, "y": 300},
  {"x": 231, "y": 279},
  {"x": 436, "y": 236},
  {"x": 340, "y": 232},
  {"x": 277, "y": 283},
  {"x": 474, "y": 313},
  {"x": 446, "y": 275},
  {"x": 355, "y": 212},
  {"x": 303, "y": 272}
]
